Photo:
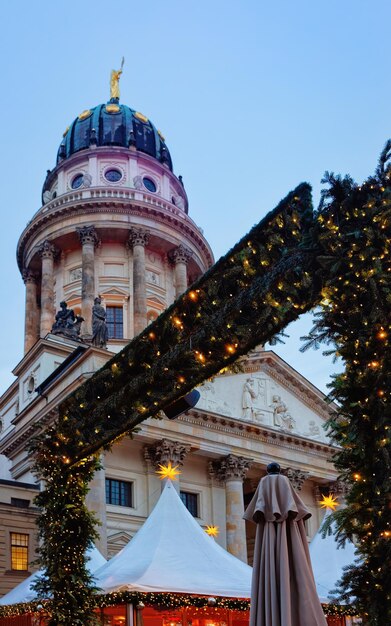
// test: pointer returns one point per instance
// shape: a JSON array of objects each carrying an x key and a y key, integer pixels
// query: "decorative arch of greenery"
[{"x": 294, "y": 259}]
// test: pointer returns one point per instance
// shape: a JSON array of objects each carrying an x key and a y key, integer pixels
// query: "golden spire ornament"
[
  {"x": 329, "y": 502},
  {"x": 114, "y": 81},
  {"x": 168, "y": 471}
]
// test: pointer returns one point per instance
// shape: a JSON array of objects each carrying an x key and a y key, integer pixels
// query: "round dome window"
[
  {"x": 149, "y": 184},
  {"x": 77, "y": 181},
  {"x": 113, "y": 176}
]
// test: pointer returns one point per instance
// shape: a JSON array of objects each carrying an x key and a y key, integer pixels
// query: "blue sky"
[{"x": 253, "y": 97}]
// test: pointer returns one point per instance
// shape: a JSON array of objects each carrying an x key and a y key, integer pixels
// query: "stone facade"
[{"x": 17, "y": 519}]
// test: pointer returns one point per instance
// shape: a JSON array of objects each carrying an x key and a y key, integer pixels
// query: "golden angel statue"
[{"x": 114, "y": 81}]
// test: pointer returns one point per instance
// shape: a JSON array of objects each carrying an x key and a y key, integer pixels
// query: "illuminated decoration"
[
  {"x": 382, "y": 334},
  {"x": 329, "y": 502},
  {"x": 267, "y": 280},
  {"x": 161, "y": 601},
  {"x": 168, "y": 471},
  {"x": 212, "y": 531}
]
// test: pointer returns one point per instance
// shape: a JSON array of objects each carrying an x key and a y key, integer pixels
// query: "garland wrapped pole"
[
  {"x": 354, "y": 237},
  {"x": 282, "y": 268}
]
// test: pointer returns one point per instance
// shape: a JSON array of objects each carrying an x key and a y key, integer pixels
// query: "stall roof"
[
  {"x": 328, "y": 561},
  {"x": 24, "y": 593},
  {"x": 172, "y": 553}
]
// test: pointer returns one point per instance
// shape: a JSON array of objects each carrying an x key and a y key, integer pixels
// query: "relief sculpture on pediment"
[
  {"x": 254, "y": 399},
  {"x": 281, "y": 416}
]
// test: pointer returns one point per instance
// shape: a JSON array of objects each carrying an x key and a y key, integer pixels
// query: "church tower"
[{"x": 114, "y": 222}]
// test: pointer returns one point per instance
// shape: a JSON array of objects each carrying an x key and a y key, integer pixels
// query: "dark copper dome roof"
[{"x": 113, "y": 124}]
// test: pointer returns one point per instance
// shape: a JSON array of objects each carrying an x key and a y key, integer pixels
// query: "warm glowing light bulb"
[{"x": 177, "y": 322}]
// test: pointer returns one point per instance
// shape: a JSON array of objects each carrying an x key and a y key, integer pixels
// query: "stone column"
[
  {"x": 138, "y": 239},
  {"x": 180, "y": 257},
  {"x": 47, "y": 252},
  {"x": 96, "y": 501},
  {"x": 31, "y": 331},
  {"x": 164, "y": 451},
  {"x": 232, "y": 470},
  {"x": 88, "y": 239}
]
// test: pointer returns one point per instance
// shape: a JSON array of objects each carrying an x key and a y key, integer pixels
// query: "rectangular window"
[
  {"x": 115, "y": 322},
  {"x": 118, "y": 492},
  {"x": 19, "y": 551},
  {"x": 20, "y": 502},
  {"x": 190, "y": 500}
]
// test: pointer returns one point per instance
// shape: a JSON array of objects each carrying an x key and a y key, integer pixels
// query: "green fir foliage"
[{"x": 354, "y": 234}]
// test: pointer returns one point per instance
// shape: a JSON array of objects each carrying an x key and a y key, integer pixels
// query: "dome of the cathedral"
[{"x": 113, "y": 124}]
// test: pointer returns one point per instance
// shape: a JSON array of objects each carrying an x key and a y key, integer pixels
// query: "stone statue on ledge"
[
  {"x": 67, "y": 323},
  {"x": 100, "y": 332}
]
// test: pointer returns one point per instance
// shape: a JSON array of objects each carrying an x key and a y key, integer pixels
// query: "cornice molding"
[
  {"x": 262, "y": 434},
  {"x": 122, "y": 204}
]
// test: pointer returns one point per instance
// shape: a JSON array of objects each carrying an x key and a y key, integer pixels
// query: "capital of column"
[
  {"x": 230, "y": 467},
  {"x": 48, "y": 250},
  {"x": 87, "y": 234},
  {"x": 337, "y": 488},
  {"x": 296, "y": 477},
  {"x": 138, "y": 237},
  {"x": 165, "y": 451},
  {"x": 29, "y": 276},
  {"x": 180, "y": 254}
]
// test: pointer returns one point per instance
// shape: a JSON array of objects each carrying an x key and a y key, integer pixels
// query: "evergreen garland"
[
  {"x": 162, "y": 602},
  {"x": 354, "y": 234}
]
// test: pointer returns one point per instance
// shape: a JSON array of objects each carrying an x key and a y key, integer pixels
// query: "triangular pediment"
[
  {"x": 155, "y": 300},
  {"x": 116, "y": 542},
  {"x": 114, "y": 291},
  {"x": 268, "y": 393}
]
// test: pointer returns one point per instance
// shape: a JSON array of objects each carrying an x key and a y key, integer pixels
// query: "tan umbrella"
[{"x": 283, "y": 590}]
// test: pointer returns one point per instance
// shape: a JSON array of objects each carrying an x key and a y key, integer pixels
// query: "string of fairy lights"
[{"x": 163, "y": 602}]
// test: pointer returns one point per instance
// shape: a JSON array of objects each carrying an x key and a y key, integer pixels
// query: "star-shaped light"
[
  {"x": 168, "y": 471},
  {"x": 212, "y": 531},
  {"x": 329, "y": 502}
]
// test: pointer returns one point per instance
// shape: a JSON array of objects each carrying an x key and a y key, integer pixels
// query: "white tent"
[
  {"x": 24, "y": 593},
  {"x": 172, "y": 553},
  {"x": 328, "y": 561}
]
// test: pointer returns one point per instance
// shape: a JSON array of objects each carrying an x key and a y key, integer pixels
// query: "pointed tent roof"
[
  {"x": 328, "y": 561},
  {"x": 172, "y": 553},
  {"x": 24, "y": 593}
]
